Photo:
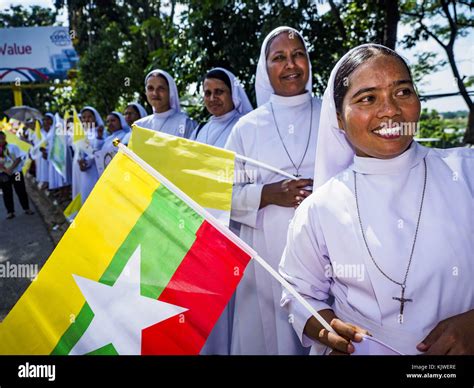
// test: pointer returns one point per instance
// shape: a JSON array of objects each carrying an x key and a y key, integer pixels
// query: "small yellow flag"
[
  {"x": 38, "y": 134},
  {"x": 72, "y": 209},
  {"x": 78, "y": 133}
]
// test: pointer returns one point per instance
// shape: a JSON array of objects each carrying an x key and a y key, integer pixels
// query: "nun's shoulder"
[
  {"x": 453, "y": 157},
  {"x": 317, "y": 102},
  {"x": 144, "y": 121},
  {"x": 333, "y": 194},
  {"x": 250, "y": 120}
]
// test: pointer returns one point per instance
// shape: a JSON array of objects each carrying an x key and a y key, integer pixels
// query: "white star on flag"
[{"x": 120, "y": 311}]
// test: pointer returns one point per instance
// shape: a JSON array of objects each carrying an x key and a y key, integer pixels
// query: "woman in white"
[
  {"x": 281, "y": 132},
  {"x": 133, "y": 112},
  {"x": 167, "y": 117},
  {"x": 117, "y": 128},
  {"x": 88, "y": 174},
  {"x": 42, "y": 164},
  {"x": 225, "y": 99},
  {"x": 384, "y": 244}
]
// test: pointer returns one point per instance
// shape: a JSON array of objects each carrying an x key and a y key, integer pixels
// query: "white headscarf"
[
  {"x": 98, "y": 120},
  {"x": 263, "y": 87},
  {"x": 123, "y": 123},
  {"x": 174, "y": 98},
  {"x": 53, "y": 119},
  {"x": 239, "y": 97},
  {"x": 334, "y": 153},
  {"x": 140, "y": 108}
]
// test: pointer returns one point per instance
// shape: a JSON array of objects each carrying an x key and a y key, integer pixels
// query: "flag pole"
[
  {"x": 223, "y": 229},
  {"x": 265, "y": 166}
]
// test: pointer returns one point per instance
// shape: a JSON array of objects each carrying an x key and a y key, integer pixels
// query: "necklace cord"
[
  {"x": 401, "y": 284},
  {"x": 283, "y": 143}
]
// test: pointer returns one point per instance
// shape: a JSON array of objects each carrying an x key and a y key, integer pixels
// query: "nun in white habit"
[
  {"x": 281, "y": 132},
  {"x": 42, "y": 169},
  {"x": 117, "y": 128},
  {"x": 87, "y": 173},
  {"x": 167, "y": 117},
  {"x": 133, "y": 112},
  {"x": 225, "y": 99},
  {"x": 384, "y": 244}
]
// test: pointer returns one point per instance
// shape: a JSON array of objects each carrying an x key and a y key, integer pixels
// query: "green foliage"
[
  {"x": 18, "y": 16},
  {"x": 449, "y": 131}
]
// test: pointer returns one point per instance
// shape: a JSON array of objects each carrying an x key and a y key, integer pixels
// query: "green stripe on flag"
[
  {"x": 166, "y": 231},
  {"x": 107, "y": 350}
]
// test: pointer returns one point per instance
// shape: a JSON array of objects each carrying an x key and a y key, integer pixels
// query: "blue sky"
[{"x": 439, "y": 82}]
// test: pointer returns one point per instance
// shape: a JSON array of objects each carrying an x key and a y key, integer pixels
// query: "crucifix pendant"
[{"x": 402, "y": 301}]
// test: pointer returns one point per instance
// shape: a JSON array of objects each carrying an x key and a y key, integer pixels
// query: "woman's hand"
[
  {"x": 453, "y": 336},
  {"x": 100, "y": 132},
  {"x": 44, "y": 152},
  {"x": 340, "y": 343},
  {"x": 286, "y": 193},
  {"x": 82, "y": 164}
]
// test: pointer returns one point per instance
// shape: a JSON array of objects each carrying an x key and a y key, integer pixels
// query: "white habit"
[
  {"x": 326, "y": 255},
  {"x": 260, "y": 325}
]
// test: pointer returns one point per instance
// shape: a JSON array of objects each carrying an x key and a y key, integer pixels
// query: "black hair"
[
  {"x": 135, "y": 108},
  {"x": 220, "y": 75},
  {"x": 356, "y": 58},
  {"x": 270, "y": 40},
  {"x": 159, "y": 75}
]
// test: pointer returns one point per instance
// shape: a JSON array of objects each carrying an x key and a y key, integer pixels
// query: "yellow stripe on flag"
[
  {"x": 51, "y": 303},
  {"x": 203, "y": 172},
  {"x": 13, "y": 139}
]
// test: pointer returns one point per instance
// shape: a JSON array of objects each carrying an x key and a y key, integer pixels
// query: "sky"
[{"x": 436, "y": 83}]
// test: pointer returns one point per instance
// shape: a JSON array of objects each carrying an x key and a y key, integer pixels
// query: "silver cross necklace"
[
  {"x": 307, "y": 143},
  {"x": 403, "y": 283}
]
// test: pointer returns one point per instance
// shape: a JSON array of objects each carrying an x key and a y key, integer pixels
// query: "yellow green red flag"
[
  {"x": 140, "y": 271},
  {"x": 203, "y": 172}
]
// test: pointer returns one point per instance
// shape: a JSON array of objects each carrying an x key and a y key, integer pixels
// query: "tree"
[
  {"x": 443, "y": 21},
  {"x": 18, "y": 16}
]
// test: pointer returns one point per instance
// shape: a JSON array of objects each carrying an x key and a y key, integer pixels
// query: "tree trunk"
[
  {"x": 392, "y": 17},
  {"x": 469, "y": 135}
]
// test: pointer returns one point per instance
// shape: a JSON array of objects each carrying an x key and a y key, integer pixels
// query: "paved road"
[{"x": 24, "y": 247}]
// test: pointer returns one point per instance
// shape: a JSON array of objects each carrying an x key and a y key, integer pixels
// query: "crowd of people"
[{"x": 380, "y": 201}]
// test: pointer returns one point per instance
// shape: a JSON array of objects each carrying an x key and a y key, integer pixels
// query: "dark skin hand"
[
  {"x": 44, "y": 153},
  {"x": 82, "y": 164},
  {"x": 340, "y": 343},
  {"x": 286, "y": 193},
  {"x": 100, "y": 132},
  {"x": 453, "y": 336}
]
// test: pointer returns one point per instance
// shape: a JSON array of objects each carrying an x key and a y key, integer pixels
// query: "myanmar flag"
[
  {"x": 141, "y": 270},
  {"x": 204, "y": 172}
]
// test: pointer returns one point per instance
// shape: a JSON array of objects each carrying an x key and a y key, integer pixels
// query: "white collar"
[
  {"x": 398, "y": 165},
  {"x": 224, "y": 117},
  {"x": 290, "y": 101},
  {"x": 164, "y": 115}
]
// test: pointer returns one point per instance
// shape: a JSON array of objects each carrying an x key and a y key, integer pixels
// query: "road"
[{"x": 24, "y": 247}]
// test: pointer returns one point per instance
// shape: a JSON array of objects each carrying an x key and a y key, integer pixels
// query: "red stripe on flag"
[{"x": 203, "y": 283}]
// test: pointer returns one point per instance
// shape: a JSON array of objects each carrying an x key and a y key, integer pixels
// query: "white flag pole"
[
  {"x": 265, "y": 166},
  {"x": 223, "y": 229}
]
